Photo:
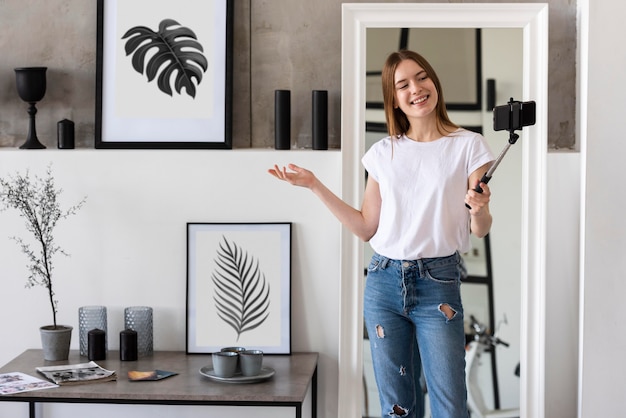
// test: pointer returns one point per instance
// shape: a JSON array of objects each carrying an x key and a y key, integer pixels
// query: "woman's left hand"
[{"x": 478, "y": 201}]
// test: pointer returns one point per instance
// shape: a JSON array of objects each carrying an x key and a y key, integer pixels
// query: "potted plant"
[{"x": 36, "y": 200}]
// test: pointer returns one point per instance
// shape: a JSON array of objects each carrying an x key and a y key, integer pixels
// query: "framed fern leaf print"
[
  {"x": 164, "y": 74},
  {"x": 239, "y": 287}
]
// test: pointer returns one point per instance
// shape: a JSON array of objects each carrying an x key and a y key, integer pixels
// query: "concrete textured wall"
[{"x": 294, "y": 45}]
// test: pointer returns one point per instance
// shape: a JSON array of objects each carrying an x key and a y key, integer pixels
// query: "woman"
[{"x": 414, "y": 216}]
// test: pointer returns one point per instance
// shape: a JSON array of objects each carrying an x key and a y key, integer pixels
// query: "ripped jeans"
[{"x": 414, "y": 318}]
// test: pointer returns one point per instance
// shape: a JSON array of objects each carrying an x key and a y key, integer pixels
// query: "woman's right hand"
[{"x": 296, "y": 176}]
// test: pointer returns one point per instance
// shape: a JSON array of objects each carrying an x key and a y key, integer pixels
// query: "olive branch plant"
[{"x": 37, "y": 201}]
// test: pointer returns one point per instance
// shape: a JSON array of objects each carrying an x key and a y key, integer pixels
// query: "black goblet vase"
[{"x": 31, "y": 87}]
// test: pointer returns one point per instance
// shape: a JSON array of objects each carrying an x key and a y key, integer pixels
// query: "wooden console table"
[{"x": 295, "y": 378}]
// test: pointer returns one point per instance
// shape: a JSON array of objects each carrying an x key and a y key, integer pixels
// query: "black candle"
[
  {"x": 282, "y": 119},
  {"x": 96, "y": 345},
  {"x": 128, "y": 345},
  {"x": 65, "y": 134},
  {"x": 491, "y": 94},
  {"x": 320, "y": 119}
]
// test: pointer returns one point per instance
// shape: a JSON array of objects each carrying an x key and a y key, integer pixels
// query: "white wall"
[
  {"x": 128, "y": 243},
  {"x": 563, "y": 214},
  {"x": 603, "y": 264}
]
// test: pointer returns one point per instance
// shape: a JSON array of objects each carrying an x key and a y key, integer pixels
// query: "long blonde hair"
[{"x": 397, "y": 122}]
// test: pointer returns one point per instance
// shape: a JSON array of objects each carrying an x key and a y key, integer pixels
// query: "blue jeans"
[{"x": 413, "y": 311}]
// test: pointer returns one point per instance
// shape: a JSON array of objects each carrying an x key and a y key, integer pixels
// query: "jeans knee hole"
[
  {"x": 447, "y": 311},
  {"x": 380, "y": 331},
  {"x": 398, "y": 411}
]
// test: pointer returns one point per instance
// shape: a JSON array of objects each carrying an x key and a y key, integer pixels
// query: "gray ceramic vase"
[{"x": 56, "y": 342}]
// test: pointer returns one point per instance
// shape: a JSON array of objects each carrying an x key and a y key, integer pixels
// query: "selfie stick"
[{"x": 513, "y": 137}]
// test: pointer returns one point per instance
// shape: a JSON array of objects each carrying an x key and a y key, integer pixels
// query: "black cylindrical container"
[
  {"x": 65, "y": 134},
  {"x": 491, "y": 94},
  {"x": 320, "y": 119},
  {"x": 282, "y": 119},
  {"x": 96, "y": 344},
  {"x": 128, "y": 345}
]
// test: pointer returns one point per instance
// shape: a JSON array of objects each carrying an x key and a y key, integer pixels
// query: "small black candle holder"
[{"x": 65, "y": 134}]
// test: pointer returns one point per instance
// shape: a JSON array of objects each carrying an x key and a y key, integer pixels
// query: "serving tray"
[{"x": 265, "y": 374}]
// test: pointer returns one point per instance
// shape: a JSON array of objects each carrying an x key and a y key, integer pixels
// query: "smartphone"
[{"x": 514, "y": 115}]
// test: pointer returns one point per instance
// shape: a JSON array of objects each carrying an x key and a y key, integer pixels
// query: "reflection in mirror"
[
  {"x": 494, "y": 54},
  {"x": 532, "y": 20},
  {"x": 458, "y": 68}
]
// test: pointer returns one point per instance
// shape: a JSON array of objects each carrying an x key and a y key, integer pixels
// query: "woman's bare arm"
[{"x": 363, "y": 223}]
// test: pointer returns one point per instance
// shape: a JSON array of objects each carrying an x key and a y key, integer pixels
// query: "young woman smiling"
[{"x": 414, "y": 216}]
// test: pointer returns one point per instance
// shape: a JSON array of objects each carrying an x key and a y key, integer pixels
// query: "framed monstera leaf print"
[
  {"x": 164, "y": 74},
  {"x": 239, "y": 287}
]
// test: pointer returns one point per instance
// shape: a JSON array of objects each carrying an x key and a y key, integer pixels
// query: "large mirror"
[
  {"x": 522, "y": 224},
  {"x": 468, "y": 60}
]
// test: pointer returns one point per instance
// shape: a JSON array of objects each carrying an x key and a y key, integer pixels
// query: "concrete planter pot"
[{"x": 55, "y": 342}]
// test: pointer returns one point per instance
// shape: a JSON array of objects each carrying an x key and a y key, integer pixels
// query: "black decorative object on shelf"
[
  {"x": 65, "y": 134},
  {"x": 491, "y": 94},
  {"x": 31, "y": 87},
  {"x": 320, "y": 119},
  {"x": 282, "y": 119}
]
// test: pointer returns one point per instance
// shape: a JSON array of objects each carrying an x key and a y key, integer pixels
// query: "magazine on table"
[
  {"x": 74, "y": 374},
  {"x": 17, "y": 382}
]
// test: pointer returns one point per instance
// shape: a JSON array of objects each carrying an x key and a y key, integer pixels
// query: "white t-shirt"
[{"x": 423, "y": 187}]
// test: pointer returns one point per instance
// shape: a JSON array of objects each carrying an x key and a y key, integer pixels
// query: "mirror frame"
[{"x": 532, "y": 18}]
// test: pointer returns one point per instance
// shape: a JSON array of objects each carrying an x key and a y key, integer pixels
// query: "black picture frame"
[
  {"x": 239, "y": 287},
  {"x": 144, "y": 101}
]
